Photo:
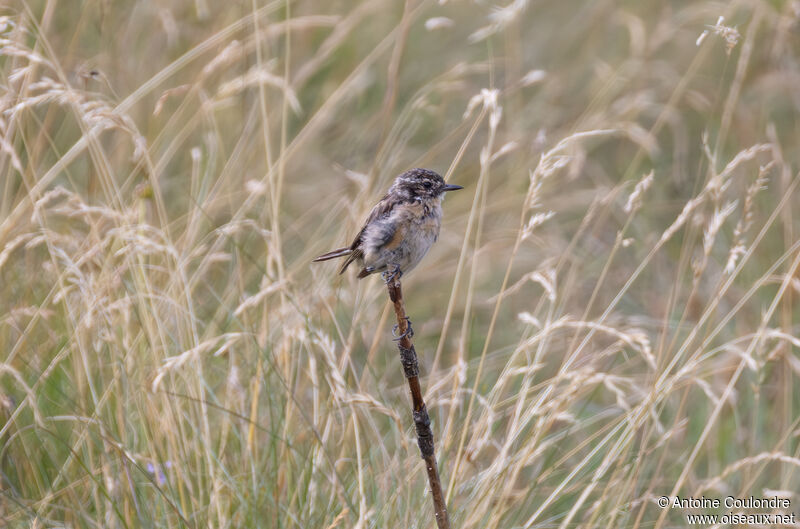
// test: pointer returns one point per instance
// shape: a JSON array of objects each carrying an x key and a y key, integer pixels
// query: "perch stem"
[{"x": 408, "y": 357}]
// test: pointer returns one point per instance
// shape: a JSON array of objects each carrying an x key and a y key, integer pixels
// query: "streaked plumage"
[{"x": 401, "y": 228}]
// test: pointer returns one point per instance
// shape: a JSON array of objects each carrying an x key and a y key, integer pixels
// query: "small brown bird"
[{"x": 400, "y": 228}]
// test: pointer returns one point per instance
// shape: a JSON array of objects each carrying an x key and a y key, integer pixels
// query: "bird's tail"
[{"x": 341, "y": 252}]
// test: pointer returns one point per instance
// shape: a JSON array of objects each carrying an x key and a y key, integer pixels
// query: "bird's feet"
[
  {"x": 389, "y": 276},
  {"x": 408, "y": 333}
]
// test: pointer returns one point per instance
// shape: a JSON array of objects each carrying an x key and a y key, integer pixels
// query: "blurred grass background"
[{"x": 608, "y": 316}]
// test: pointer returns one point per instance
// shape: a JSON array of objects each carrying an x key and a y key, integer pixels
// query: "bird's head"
[{"x": 420, "y": 184}]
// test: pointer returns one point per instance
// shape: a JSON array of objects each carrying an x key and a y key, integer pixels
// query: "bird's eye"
[{"x": 427, "y": 184}]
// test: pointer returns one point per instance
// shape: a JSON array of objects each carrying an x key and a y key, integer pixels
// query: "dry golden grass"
[{"x": 608, "y": 317}]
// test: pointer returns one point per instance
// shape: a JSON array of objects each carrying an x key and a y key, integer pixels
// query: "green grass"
[{"x": 170, "y": 358}]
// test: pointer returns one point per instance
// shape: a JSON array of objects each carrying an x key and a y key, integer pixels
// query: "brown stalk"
[{"x": 408, "y": 357}]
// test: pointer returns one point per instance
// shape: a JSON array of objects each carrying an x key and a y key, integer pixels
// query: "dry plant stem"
[{"x": 408, "y": 357}]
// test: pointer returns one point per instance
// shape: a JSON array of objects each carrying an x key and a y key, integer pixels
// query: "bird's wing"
[
  {"x": 381, "y": 210},
  {"x": 355, "y": 254}
]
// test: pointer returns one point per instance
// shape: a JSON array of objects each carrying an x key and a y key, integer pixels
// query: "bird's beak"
[{"x": 451, "y": 187}]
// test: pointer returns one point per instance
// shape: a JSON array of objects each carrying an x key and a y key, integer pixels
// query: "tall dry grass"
[{"x": 607, "y": 318}]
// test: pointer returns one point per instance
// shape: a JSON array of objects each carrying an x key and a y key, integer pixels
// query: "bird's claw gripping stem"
[{"x": 388, "y": 276}]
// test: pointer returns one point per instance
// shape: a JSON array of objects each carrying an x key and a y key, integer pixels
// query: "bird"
[{"x": 400, "y": 229}]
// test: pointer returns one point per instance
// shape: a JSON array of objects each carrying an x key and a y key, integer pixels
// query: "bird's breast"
[
  {"x": 423, "y": 223},
  {"x": 404, "y": 237},
  {"x": 424, "y": 217}
]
